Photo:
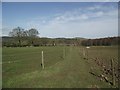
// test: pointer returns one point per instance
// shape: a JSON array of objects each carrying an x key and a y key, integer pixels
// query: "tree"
[
  {"x": 32, "y": 34},
  {"x": 24, "y": 37},
  {"x": 17, "y": 33}
]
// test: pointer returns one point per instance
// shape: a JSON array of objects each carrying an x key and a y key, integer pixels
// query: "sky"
[
  {"x": 62, "y": 19},
  {"x": 60, "y": 0},
  {"x": 0, "y": 19}
]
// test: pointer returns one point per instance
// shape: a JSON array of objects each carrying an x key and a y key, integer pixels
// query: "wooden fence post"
[
  {"x": 113, "y": 72},
  {"x": 87, "y": 53},
  {"x": 83, "y": 52},
  {"x": 42, "y": 60},
  {"x": 64, "y": 52}
]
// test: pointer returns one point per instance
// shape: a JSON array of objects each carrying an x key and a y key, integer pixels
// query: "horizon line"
[{"x": 70, "y": 37}]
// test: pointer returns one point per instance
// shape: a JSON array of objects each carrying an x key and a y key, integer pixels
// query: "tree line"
[
  {"x": 108, "y": 41},
  {"x": 13, "y": 42},
  {"x": 19, "y": 37}
]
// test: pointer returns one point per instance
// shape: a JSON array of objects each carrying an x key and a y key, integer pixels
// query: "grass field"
[
  {"x": 64, "y": 67},
  {"x": 0, "y": 67}
]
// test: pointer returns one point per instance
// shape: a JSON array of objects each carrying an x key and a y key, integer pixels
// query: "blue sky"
[
  {"x": 0, "y": 19},
  {"x": 62, "y": 19}
]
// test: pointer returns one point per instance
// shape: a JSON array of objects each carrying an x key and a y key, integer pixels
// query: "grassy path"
[{"x": 72, "y": 72}]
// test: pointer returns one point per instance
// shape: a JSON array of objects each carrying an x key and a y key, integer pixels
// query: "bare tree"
[
  {"x": 17, "y": 33},
  {"x": 32, "y": 34}
]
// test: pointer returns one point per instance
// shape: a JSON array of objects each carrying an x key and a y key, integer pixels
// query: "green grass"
[
  {"x": 0, "y": 67},
  {"x": 103, "y": 54},
  {"x": 64, "y": 67}
]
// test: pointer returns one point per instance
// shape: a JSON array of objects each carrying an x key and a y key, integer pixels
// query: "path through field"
[{"x": 72, "y": 71}]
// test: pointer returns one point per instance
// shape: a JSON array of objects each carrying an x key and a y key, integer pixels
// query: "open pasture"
[{"x": 65, "y": 67}]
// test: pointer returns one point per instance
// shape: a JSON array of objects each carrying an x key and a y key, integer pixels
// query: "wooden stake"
[
  {"x": 64, "y": 52},
  {"x": 113, "y": 72},
  {"x": 42, "y": 61},
  {"x": 87, "y": 53},
  {"x": 83, "y": 52}
]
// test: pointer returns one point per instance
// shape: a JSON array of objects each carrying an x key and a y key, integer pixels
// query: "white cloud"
[
  {"x": 99, "y": 14},
  {"x": 84, "y": 16},
  {"x": 87, "y": 29},
  {"x": 5, "y": 30},
  {"x": 90, "y": 22}
]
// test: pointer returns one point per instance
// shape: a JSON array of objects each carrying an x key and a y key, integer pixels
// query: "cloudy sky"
[{"x": 62, "y": 19}]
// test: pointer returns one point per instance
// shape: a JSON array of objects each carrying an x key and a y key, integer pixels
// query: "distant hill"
[
  {"x": 44, "y": 41},
  {"x": 107, "y": 41}
]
